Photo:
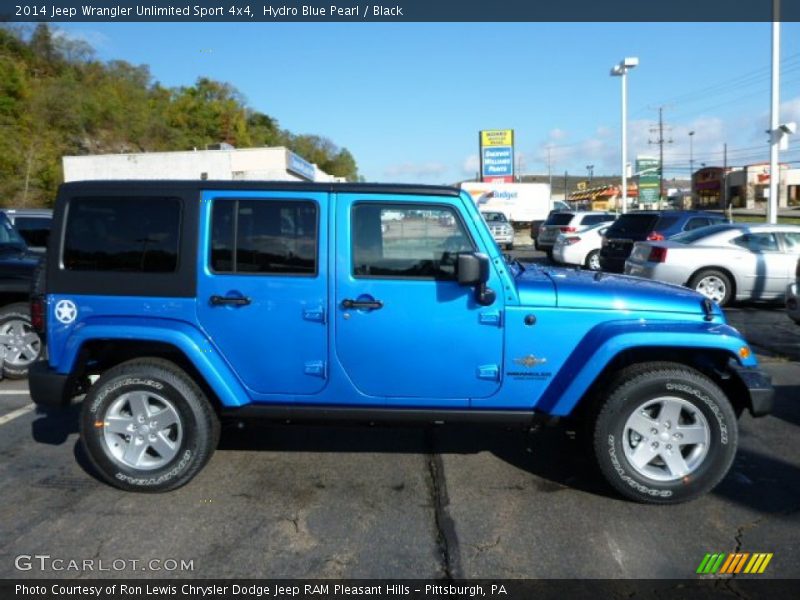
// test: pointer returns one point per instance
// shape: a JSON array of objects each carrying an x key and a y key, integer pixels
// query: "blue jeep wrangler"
[{"x": 172, "y": 305}]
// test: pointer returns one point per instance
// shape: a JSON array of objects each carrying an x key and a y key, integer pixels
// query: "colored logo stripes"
[{"x": 729, "y": 564}]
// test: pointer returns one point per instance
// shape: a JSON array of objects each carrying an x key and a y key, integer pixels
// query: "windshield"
[
  {"x": 9, "y": 235},
  {"x": 494, "y": 217},
  {"x": 689, "y": 237}
]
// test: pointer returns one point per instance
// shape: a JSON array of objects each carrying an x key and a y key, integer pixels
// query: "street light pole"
[
  {"x": 590, "y": 169},
  {"x": 621, "y": 70},
  {"x": 691, "y": 154},
  {"x": 774, "y": 169}
]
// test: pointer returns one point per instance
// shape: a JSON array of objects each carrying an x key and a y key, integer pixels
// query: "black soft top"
[{"x": 132, "y": 186}]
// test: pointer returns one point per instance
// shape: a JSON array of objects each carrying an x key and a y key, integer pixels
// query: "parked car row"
[{"x": 696, "y": 249}]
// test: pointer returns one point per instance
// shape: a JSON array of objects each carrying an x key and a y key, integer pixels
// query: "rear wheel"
[
  {"x": 22, "y": 344},
  {"x": 714, "y": 285},
  {"x": 592, "y": 261},
  {"x": 664, "y": 434},
  {"x": 146, "y": 426},
  {"x": 549, "y": 251},
  {"x": 510, "y": 246}
]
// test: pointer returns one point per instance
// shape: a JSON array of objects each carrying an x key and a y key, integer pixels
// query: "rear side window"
[
  {"x": 561, "y": 218},
  {"x": 595, "y": 219},
  {"x": 667, "y": 222},
  {"x": 264, "y": 236},
  {"x": 131, "y": 234},
  {"x": 35, "y": 230},
  {"x": 758, "y": 242},
  {"x": 696, "y": 223}
]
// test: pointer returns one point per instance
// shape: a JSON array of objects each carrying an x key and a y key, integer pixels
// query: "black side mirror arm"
[{"x": 484, "y": 295}]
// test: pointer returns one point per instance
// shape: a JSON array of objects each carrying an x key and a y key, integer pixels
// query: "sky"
[{"x": 409, "y": 99}]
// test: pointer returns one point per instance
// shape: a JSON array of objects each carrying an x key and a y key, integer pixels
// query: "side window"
[
  {"x": 413, "y": 241},
  {"x": 264, "y": 236},
  {"x": 128, "y": 234},
  {"x": 792, "y": 239},
  {"x": 757, "y": 242},
  {"x": 595, "y": 219},
  {"x": 696, "y": 223}
]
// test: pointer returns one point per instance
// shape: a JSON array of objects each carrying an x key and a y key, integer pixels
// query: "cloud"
[
  {"x": 471, "y": 165},
  {"x": 416, "y": 171}
]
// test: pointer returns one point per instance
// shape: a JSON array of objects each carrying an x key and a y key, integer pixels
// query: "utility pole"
[
  {"x": 660, "y": 141},
  {"x": 590, "y": 168},
  {"x": 550, "y": 171},
  {"x": 565, "y": 186},
  {"x": 724, "y": 196}
]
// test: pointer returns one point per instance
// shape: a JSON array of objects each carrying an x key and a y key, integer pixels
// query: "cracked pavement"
[{"x": 429, "y": 502}]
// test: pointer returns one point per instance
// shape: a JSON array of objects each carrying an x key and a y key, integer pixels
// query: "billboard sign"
[
  {"x": 649, "y": 173},
  {"x": 497, "y": 155}
]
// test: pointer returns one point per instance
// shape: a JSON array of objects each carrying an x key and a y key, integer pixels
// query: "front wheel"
[
  {"x": 147, "y": 427},
  {"x": 665, "y": 433}
]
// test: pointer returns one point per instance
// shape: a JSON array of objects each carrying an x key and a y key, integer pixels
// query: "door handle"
[
  {"x": 369, "y": 304},
  {"x": 232, "y": 300}
]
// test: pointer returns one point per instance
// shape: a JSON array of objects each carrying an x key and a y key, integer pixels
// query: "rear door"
[
  {"x": 762, "y": 264},
  {"x": 406, "y": 332},
  {"x": 262, "y": 290}
]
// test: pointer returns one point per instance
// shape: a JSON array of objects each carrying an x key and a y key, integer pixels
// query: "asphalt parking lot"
[{"x": 347, "y": 501}]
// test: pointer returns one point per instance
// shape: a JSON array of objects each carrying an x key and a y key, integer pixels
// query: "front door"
[
  {"x": 405, "y": 330},
  {"x": 263, "y": 287}
]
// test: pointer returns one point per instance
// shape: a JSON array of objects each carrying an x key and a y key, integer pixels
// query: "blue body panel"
[{"x": 539, "y": 346}]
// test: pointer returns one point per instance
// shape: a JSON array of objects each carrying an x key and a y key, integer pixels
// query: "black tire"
[
  {"x": 15, "y": 317},
  {"x": 199, "y": 424},
  {"x": 509, "y": 246},
  {"x": 536, "y": 244},
  {"x": 709, "y": 274},
  {"x": 549, "y": 252},
  {"x": 635, "y": 386},
  {"x": 588, "y": 263}
]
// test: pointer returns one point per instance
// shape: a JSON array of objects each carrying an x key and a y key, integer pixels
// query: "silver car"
[
  {"x": 743, "y": 261},
  {"x": 502, "y": 231}
]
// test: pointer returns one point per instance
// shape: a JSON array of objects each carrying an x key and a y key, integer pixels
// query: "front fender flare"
[{"x": 606, "y": 341}]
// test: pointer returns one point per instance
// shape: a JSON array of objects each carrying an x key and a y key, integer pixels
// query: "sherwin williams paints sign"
[
  {"x": 497, "y": 155},
  {"x": 647, "y": 169}
]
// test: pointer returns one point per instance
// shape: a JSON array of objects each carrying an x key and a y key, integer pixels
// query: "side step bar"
[{"x": 285, "y": 412}]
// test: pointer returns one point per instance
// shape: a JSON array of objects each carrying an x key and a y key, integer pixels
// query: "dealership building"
[{"x": 224, "y": 162}]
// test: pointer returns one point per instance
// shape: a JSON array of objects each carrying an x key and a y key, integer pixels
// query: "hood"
[{"x": 603, "y": 291}]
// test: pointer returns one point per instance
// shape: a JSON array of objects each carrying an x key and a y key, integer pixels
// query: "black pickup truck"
[{"x": 17, "y": 267}]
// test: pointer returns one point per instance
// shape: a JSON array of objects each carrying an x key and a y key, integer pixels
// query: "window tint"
[
  {"x": 757, "y": 242},
  {"x": 423, "y": 244},
  {"x": 560, "y": 218},
  {"x": 264, "y": 236},
  {"x": 696, "y": 223},
  {"x": 632, "y": 224},
  {"x": 666, "y": 222},
  {"x": 792, "y": 239},
  {"x": 35, "y": 230},
  {"x": 594, "y": 219},
  {"x": 131, "y": 234}
]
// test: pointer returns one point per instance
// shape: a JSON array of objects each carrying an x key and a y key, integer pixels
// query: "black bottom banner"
[{"x": 401, "y": 589}]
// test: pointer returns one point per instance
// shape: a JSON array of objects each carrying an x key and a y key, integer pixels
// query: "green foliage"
[{"x": 57, "y": 99}]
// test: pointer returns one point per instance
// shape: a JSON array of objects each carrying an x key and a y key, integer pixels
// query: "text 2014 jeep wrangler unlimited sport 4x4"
[{"x": 195, "y": 300}]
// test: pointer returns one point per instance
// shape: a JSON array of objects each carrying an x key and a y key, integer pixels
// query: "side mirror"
[{"x": 473, "y": 269}]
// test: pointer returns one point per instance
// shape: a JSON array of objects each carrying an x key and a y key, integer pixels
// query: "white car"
[
  {"x": 581, "y": 248},
  {"x": 792, "y": 297}
]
